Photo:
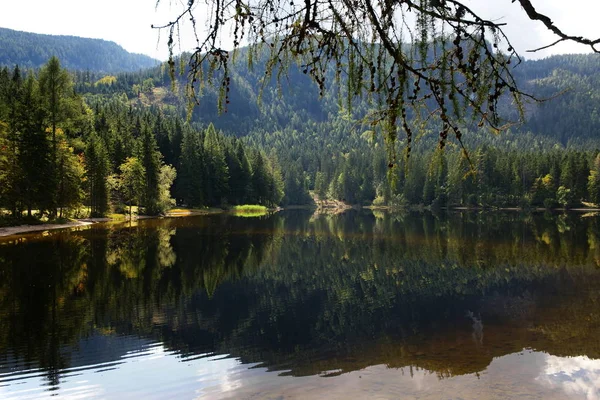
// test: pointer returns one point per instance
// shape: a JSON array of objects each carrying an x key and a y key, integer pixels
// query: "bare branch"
[
  {"x": 546, "y": 47},
  {"x": 534, "y": 15},
  {"x": 455, "y": 66}
]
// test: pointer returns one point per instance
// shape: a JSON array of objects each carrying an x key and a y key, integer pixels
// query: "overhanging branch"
[{"x": 536, "y": 16}]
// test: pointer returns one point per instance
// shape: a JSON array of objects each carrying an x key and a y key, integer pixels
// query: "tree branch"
[{"x": 536, "y": 16}]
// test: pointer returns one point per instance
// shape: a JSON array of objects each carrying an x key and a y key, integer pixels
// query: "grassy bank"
[
  {"x": 249, "y": 210},
  {"x": 186, "y": 212}
]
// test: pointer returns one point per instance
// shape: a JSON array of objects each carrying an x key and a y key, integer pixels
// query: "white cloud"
[{"x": 576, "y": 376}]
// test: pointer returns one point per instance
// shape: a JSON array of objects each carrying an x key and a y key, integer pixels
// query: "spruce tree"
[
  {"x": 217, "y": 177},
  {"x": 34, "y": 155},
  {"x": 150, "y": 158},
  {"x": 190, "y": 180},
  {"x": 97, "y": 171}
]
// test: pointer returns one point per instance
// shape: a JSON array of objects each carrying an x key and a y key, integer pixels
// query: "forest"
[
  {"x": 32, "y": 50},
  {"x": 325, "y": 150},
  {"x": 60, "y": 152},
  {"x": 81, "y": 138}
]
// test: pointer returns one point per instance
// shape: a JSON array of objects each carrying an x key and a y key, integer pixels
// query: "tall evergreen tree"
[
  {"x": 56, "y": 92},
  {"x": 14, "y": 107},
  {"x": 217, "y": 177},
  {"x": 594, "y": 181},
  {"x": 190, "y": 179},
  {"x": 34, "y": 156},
  {"x": 150, "y": 158},
  {"x": 97, "y": 171}
]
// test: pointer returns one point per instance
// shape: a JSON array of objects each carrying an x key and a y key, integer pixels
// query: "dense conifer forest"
[
  {"x": 61, "y": 151},
  {"x": 32, "y": 50},
  {"x": 108, "y": 141}
]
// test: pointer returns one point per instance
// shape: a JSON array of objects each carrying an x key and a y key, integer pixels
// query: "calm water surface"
[{"x": 296, "y": 305}]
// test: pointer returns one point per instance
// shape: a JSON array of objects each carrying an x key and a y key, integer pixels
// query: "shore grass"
[
  {"x": 117, "y": 217},
  {"x": 184, "y": 212},
  {"x": 250, "y": 210}
]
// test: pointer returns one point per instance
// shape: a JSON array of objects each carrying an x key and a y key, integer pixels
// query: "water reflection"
[
  {"x": 293, "y": 297},
  {"x": 573, "y": 376}
]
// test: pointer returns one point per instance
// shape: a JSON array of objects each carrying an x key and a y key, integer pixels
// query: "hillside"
[
  {"x": 31, "y": 50},
  {"x": 308, "y": 144},
  {"x": 321, "y": 146},
  {"x": 570, "y": 117}
]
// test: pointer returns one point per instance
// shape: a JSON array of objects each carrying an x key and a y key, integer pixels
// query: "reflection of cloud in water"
[
  {"x": 219, "y": 374},
  {"x": 574, "y": 375}
]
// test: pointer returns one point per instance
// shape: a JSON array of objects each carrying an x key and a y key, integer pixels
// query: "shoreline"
[
  {"x": 20, "y": 230},
  {"x": 23, "y": 229}
]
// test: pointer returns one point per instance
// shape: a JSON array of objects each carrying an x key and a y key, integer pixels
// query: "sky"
[{"x": 128, "y": 22}]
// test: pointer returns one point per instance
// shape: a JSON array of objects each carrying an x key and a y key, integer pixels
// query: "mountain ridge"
[{"x": 32, "y": 50}]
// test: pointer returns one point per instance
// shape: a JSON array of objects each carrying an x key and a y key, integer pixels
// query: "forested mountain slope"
[
  {"x": 282, "y": 141},
  {"x": 31, "y": 50},
  {"x": 321, "y": 145},
  {"x": 570, "y": 84}
]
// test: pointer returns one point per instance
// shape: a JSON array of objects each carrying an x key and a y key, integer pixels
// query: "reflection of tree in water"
[
  {"x": 310, "y": 295},
  {"x": 333, "y": 288},
  {"x": 41, "y": 286}
]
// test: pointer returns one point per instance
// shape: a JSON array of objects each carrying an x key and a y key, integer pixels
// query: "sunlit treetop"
[{"x": 417, "y": 60}]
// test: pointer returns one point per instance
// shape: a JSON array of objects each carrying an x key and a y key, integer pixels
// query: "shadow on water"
[{"x": 304, "y": 294}]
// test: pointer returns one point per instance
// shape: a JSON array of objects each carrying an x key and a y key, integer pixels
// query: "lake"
[{"x": 357, "y": 305}]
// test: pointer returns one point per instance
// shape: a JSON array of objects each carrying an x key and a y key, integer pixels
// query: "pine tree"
[
  {"x": 276, "y": 183},
  {"x": 594, "y": 181},
  {"x": 14, "y": 106},
  {"x": 243, "y": 192},
  {"x": 237, "y": 180},
  {"x": 56, "y": 92},
  {"x": 56, "y": 89},
  {"x": 151, "y": 161},
  {"x": 190, "y": 179},
  {"x": 34, "y": 156},
  {"x": 217, "y": 177},
  {"x": 5, "y": 165},
  {"x": 260, "y": 179},
  {"x": 175, "y": 139},
  {"x": 71, "y": 171},
  {"x": 98, "y": 169}
]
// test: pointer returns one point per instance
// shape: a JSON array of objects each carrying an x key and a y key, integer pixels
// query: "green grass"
[
  {"x": 183, "y": 212},
  {"x": 250, "y": 210},
  {"x": 117, "y": 217}
]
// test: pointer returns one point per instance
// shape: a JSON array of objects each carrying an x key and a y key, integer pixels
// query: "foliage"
[
  {"x": 166, "y": 178},
  {"x": 42, "y": 170},
  {"x": 57, "y": 152},
  {"x": 132, "y": 182},
  {"x": 297, "y": 147},
  {"x": 322, "y": 147},
  {"x": 98, "y": 168}
]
